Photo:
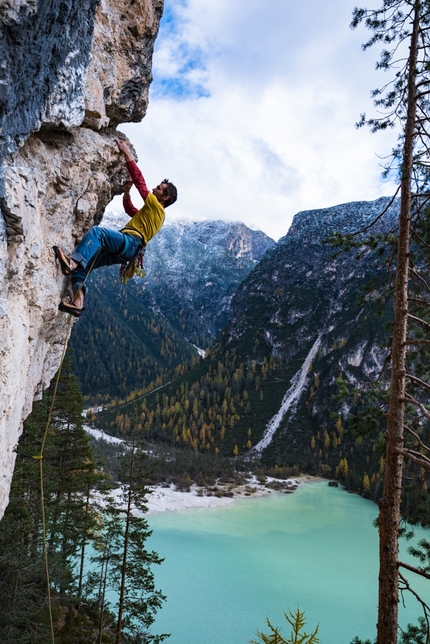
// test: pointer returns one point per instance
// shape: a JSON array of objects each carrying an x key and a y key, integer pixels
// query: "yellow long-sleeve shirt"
[{"x": 146, "y": 222}]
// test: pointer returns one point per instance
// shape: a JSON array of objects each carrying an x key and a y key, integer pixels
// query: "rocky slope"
[
  {"x": 301, "y": 292},
  {"x": 302, "y": 287},
  {"x": 90, "y": 69},
  {"x": 193, "y": 269}
]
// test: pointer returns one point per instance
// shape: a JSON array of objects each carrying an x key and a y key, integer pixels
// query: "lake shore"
[{"x": 169, "y": 499}]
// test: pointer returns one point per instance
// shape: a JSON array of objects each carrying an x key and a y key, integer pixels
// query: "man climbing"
[{"x": 103, "y": 247}]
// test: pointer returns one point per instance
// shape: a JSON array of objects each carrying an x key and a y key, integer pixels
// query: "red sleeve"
[
  {"x": 137, "y": 178},
  {"x": 128, "y": 206}
]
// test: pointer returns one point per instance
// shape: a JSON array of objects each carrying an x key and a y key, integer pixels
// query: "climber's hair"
[{"x": 170, "y": 191}]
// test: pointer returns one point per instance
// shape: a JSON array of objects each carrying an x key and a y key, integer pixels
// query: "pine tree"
[
  {"x": 298, "y": 635},
  {"x": 403, "y": 101},
  {"x": 125, "y": 561},
  {"x": 70, "y": 475}
]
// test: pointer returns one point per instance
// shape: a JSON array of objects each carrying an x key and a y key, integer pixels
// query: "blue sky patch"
[
  {"x": 179, "y": 88},
  {"x": 187, "y": 59}
]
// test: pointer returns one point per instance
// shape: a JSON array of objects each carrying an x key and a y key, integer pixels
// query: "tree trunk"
[
  {"x": 125, "y": 551},
  {"x": 83, "y": 545},
  {"x": 102, "y": 595},
  {"x": 389, "y": 510}
]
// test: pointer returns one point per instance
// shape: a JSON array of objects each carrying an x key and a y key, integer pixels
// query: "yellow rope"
[
  {"x": 42, "y": 449},
  {"x": 42, "y": 498}
]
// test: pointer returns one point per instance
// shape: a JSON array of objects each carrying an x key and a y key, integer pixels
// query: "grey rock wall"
[
  {"x": 70, "y": 72},
  {"x": 45, "y": 49}
]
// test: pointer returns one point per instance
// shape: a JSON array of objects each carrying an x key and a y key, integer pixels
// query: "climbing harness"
[
  {"x": 39, "y": 457},
  {"x": 134, "y": 267}
]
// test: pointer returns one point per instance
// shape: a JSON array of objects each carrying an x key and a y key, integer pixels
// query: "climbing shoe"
[
  {"x": 64, "y": 260},
  {"x": 67, "y": 306}
]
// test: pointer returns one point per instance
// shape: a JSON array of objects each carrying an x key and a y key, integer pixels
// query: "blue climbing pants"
[{"x": 115, "y": 248}]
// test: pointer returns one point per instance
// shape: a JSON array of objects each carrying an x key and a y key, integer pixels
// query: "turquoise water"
[{"x": 226, "y": 569}]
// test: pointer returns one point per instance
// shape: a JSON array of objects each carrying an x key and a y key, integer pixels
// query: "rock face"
[{"x": 90, "y": 68}]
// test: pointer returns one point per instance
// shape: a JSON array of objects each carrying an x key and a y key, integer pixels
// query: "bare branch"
[
  {"x": 413, "y": 317},
  {"x": 418, "y": 381},
  {"x": 381, "y": 214},
  {"x": 423, "y": 82},
  {"x": 423, "y": 461},
  {"x": 415, "y": 234},
  {"x": 425, "y": 607},
  {"x": 419, "y": 300},
  {"x": 413, "y": 453},
  {"x": 417, "y": 571},
  {"x": 414, "y": 272},
  {"x": 421, "y": 94},
  {"x": 410, "y": 431},
  {"x": 382, "y": 370},
  {"x": 412, "y": 401}
]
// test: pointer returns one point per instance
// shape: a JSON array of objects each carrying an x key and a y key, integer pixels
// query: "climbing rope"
[
  {"x": 42, "y": 497},
  {"x": 39, "y": 457}
]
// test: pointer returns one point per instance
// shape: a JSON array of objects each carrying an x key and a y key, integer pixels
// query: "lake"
[{"x": 226, "y": 569}]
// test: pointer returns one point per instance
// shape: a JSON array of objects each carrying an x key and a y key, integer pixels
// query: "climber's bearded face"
[{"x": 160, "y": 192}]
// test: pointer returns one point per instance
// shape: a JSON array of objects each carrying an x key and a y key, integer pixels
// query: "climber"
[{"x": 116, "y": 247}]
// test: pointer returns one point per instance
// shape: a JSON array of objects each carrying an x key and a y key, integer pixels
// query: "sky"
[{"x": 253, "y": 107}]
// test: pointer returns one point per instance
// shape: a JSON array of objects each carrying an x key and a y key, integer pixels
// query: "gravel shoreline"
[{"x": 169, "y": 499}]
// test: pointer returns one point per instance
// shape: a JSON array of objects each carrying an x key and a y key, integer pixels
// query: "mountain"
[
  {"x": 131, "y": 335},
  {"x": 307, "y": 329},
  {"x": 304, "y": 294},
  {"x": 302, "y": 288},
  {"x": 194, "y": 268}
]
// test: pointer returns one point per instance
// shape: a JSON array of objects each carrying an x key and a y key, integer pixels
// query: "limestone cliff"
[{"x": 69, "y": 74}]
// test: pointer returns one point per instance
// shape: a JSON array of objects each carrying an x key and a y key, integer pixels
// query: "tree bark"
[
  {"x": 389, "y": 510},
  {"x": 83, "y": 545},
  {"x": 125, "y": 551}
]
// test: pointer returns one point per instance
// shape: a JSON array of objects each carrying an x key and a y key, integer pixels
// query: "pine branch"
[
  {"x": 413, "y": 317},
  {"x": 423, "y": 461},
  {"x": 363, "y": 230},
  {"x": 425, "y": 607},
  {"x": 417, "y": 571}
]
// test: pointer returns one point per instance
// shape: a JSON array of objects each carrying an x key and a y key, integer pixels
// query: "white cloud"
[{"x": 274, "y": 134}]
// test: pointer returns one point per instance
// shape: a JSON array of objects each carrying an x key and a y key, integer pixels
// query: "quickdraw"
[{"x": 134, "y": 267}]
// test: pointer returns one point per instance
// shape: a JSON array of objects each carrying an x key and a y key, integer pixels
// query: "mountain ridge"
[{"x": 300, "y": 290}]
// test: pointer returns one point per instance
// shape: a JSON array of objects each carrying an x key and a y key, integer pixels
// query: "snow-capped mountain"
[{"x": 192, "y": 271}]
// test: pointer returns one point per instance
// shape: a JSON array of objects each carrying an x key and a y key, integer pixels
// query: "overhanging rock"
[{"x": 89, "y": 62}]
